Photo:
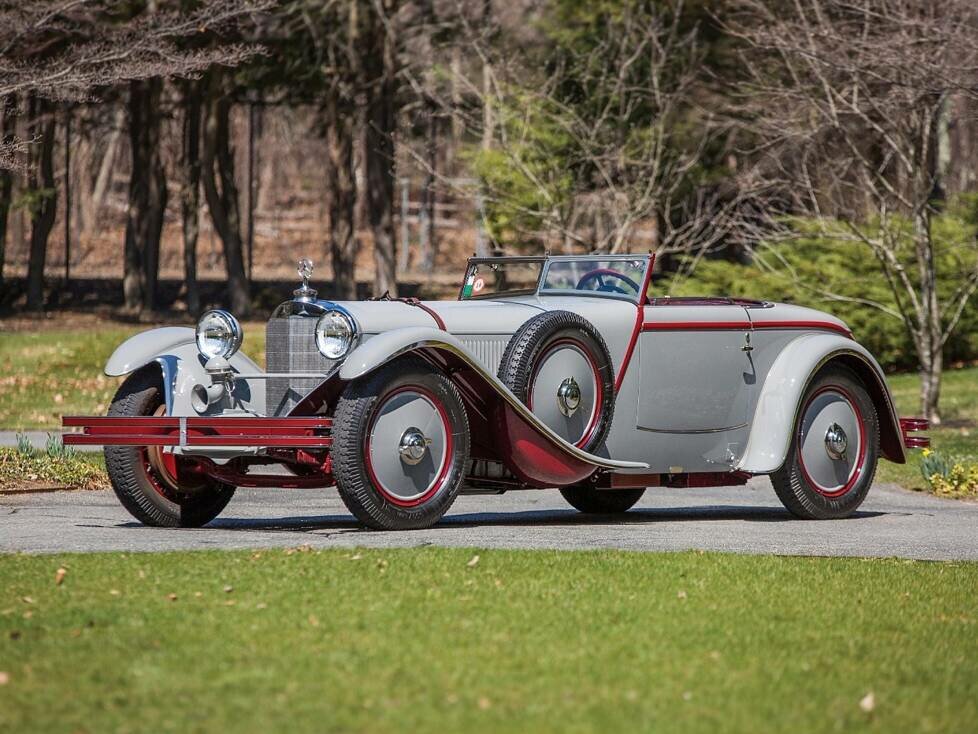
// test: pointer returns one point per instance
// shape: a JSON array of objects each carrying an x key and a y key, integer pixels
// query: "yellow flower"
[{"x": 927, "y": 452}]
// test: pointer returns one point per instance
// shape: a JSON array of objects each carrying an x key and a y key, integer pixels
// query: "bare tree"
[
  {"x": 7, "y": 135},
  {"x": 190, "y": 187},
  {"x": 41, "y": 192},
  {"x": 848, "y": 99},
  {"x": 221, "y": 189},
  {"x": 380, "y": 82},
  {"x": 606, "y": 143},
  {"x": 63, "y": 49},
  {"x": 147, "y": 196}
]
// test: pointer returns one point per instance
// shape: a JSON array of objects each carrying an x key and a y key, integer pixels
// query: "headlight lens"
[
  {"x": 334, "y": 334},
  {"x": 218, "y": 334}
]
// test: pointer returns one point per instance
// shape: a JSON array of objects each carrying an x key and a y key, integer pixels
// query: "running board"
[{"x": 198, "y": 432}]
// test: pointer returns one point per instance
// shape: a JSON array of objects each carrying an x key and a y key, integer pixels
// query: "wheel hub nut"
[
  {"x": 568, "y": 397},
  {"x": 413, "y": 446},
  {"x": 836, "y": 441}
]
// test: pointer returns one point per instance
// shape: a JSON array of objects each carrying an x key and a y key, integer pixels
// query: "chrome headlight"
[
  {"x": 218, "y": 334},
  {"x": 335, "y": 332}
]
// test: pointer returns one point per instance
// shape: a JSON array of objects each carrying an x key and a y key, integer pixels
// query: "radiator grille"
[{"x": 290, "y": 346}]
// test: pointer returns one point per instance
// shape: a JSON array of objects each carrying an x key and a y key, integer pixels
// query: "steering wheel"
[{"x": 599, "y": 275}]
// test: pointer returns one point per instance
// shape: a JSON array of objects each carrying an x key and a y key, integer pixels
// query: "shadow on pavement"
[{"x": 527, "y": 518}]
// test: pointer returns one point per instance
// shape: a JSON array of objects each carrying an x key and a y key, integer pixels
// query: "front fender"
[
  {"x": 146, "y": 346},
  {"x": 780, "y": 398},
  {"x": 181, "y": 366},
  {"x": 528, "y": 446}
]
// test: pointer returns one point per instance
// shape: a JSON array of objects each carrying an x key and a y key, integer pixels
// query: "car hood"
[{"x": 459, "y": 317}]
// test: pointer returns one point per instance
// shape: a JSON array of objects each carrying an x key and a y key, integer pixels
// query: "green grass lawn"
[
  {"x": 50, "y": 373},
  {"x": 47, "y": 374},
  {"x": 422, "y": 640}
]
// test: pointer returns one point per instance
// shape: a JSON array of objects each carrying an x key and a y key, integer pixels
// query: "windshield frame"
[
  {"x": 475, "y": 262},
  {"x": 546, "y": 261},
  {"x": 638, "y": 298}
]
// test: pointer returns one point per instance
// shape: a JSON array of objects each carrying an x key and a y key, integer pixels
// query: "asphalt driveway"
[{"x": 892, "y": 522}]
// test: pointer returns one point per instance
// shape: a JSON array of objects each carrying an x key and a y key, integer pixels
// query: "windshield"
[
  {"x": 614, "y": 277},
  {"x": 503, "y": 277}
]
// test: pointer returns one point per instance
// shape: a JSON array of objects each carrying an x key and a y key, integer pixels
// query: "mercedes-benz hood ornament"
[{"x": 304, "y": 292}]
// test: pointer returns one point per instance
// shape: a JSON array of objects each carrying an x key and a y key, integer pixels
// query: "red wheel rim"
[
  {"x": 579, "y": 346},
  {"x": 857, "y": 470},
  {"x": 447, "y": 462}
]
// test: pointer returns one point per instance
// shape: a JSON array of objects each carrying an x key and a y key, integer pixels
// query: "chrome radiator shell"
[{"x": 290, "y": 346}]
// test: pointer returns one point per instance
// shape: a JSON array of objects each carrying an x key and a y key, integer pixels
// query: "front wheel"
[
  {"x": 400, "y": 445},
  {"x": 832, "y": 458},
  {"x": 147, "y": 480}
]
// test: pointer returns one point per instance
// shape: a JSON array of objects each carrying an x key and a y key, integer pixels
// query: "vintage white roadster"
[{"x": 548, "y": 372}]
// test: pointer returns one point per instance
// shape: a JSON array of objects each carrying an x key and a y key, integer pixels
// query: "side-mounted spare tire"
[{"x": 558, "y": 365}]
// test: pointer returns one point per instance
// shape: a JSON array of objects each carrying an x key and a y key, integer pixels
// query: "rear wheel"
[
  {"x": 832, "y": 458},
  {"x": 400, "y": 445},
  {"x": 592, "y": 501},
  {"x": 148, "y": 480}
]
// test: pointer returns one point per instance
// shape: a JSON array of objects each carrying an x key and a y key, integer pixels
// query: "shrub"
[
  {"x": 799, "y": 272},
  {"x": 949, "y": 476},
  {"x": 961, "y": 481},
  {"x": 79, "y": 471}
]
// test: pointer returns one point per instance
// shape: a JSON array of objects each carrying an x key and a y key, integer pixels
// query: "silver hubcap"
[
  {"x": 413, "y": 446},
  {"x": 836, "y": 442},
  {"x": 408, "y": 445},
  {"x": 830, "y": 442},
  {"x": 568, "y": 397},
  {"x": 565, "y": 372}
]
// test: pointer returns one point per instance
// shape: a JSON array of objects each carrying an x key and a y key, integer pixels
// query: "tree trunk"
[
  {"x": 488, "y": 121},
  {"x": 928, "y": 337},
  {"x": 190, "y": 190},
  {"x": 6, "y": 177},
  {"x": 429, "y": 195},
  {"x": 147, "y": 197},
  {"x": 381, "y": 125},
  {"x": 43, "y": 196},
  {"x": 221, "y": 192},
  {"x": 341, "y": 198},
  {"x": 93, "y": 206}
]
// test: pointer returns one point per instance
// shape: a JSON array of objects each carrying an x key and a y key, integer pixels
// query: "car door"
[{"x": 696, "y": 379}]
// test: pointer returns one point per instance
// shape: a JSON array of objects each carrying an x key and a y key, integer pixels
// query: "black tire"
[
  {"x": 148, "y": 497},
  {"x": 534, "y": 339},
  {"x": 795, "y": 487},
  {"x": 592, "y": 501},
  {"x": 358, "y": 408}
]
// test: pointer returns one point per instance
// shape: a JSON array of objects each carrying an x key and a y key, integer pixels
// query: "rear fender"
[
  {"x": 780, "y": 398},
  {"x": 532, "y": 451},
  {"x": 173, "y": 350}
]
